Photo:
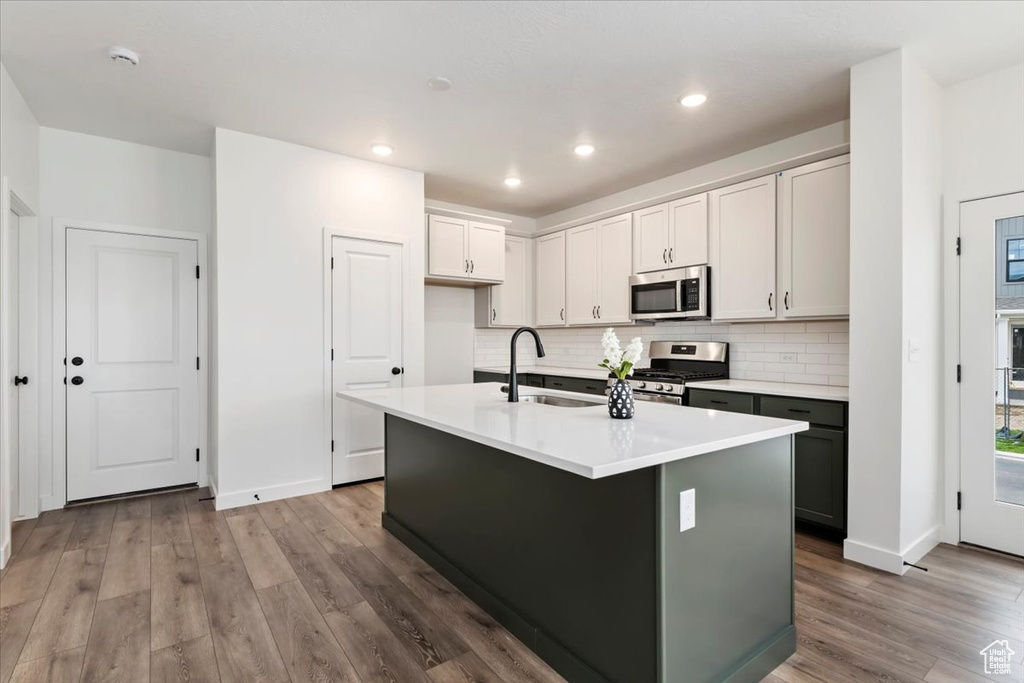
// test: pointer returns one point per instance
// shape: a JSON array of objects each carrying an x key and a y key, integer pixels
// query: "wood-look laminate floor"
[{"x": 312, "y": 589}]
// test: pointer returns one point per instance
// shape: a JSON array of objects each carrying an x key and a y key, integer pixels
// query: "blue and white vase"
[{"x": 620, "y": 401}]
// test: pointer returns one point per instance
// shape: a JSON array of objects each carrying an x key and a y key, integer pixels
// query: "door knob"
[
  {"x": 77, "y": 360},
  {"x": 20, "y": 380},
  {"x": 76, "y": 380},
  {"x": 396, "y": 371}
]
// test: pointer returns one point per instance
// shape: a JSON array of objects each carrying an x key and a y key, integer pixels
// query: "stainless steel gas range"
[{"x": 673, "y": 364}]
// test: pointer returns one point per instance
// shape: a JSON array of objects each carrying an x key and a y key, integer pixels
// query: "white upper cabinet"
[
  {"x": 814, "y": 256},
  {"x": 671, "y": 235},
  {"x": 650, "y": 239},
  {"x": 688, "y": 231},
  {"x": 550, "y": 289},
  {"x": 458, "y": 249},
  {"x": 447, "y": 246},
  {"x": 486, "y": 251},
  {"x": 510, "y": 303},
  {"x": 614, "y": 268},
  {"x": 742, "y": 250},
  {"x": 597, "y": 267}
]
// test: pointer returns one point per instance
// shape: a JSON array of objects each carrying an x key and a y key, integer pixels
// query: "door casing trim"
[{"x": 60, "y": 455}]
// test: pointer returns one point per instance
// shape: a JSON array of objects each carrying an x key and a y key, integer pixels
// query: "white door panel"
[
  {"x": 446, "y": 247},
  {"x": 367, "y": 343},
  {"x": 992, "y": 512},
  {"x": 688, "y": 223},
  {"x": 486, "y": 251},
  {"x": 550, "y": 289},
  {"x": 581, "y": 249},
  {"x": 132, "y": 320},
  {"x": 614, "y": 268},
  {"x": 509, "y": 300},
  {"x": 651, "y": 239}
]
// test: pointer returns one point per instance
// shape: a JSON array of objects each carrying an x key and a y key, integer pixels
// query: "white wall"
[
  {"x": 19, "y": 168},
  {"x": 273, "y": 201},
  {"x": 813, "y": 145},
  {"x": 922, "y": 444},
  {"x": 983, "y": 155},
  {"x": 448, "y": 335},
  {"x": 895, "y": 456},
  {"x": 94, "y": 179}
]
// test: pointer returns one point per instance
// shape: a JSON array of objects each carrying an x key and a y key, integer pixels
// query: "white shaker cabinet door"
[
  {"x": 581, "y": 251},
  {"x": 688, "y": 231},
  {"x": 815, "y": 245},
  {"x": 651, "y": 239},
  {"x": 614, "y": 268},
  {"x": 486, "y": 251},
  {"x": 742, "y": 250},
  {"x": 447, "y": 241},
  {"x": 510, "y": 303},
  {"x": 550, "y": 281}
]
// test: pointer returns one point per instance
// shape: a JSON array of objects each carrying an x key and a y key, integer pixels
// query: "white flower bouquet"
[{"x": 617, "y": 361}]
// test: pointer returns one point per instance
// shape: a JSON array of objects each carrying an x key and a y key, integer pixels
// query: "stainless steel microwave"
[{"x": 676, "y": 294}]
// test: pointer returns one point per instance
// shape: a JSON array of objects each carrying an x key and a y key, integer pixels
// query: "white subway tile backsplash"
[{"x": 822, "y": 348}]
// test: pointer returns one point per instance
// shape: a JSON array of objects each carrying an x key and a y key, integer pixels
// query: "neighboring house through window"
[{"x": 1015, "y": 260}]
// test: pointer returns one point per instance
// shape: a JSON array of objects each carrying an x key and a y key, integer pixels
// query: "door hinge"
[
  {"x": 332, "y": 445},
  {"x": 332, "y": 354},
  {"x": 197, "y": 272},
  {"x": 959, "y": 500},
  {"x": 197, "y": 362},
  {"x": 959, "y": 373},
  {"x": 957, "y": 246},
  {"x": 197, "y": 455},
  {"x": 332, "y": 263}
]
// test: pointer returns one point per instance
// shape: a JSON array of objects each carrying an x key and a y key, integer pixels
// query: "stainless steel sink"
[{"x": 559, "y": 401}]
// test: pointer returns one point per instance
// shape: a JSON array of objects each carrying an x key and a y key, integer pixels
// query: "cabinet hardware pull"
[
  {"x": 664, "y": 255},
  {"x": 797, "y": 410},
  {"x": 593, "y": 312},
  {"x": 670, "y": 259},
  {"x": 786, "y": 301},
  {"x": 472, "y": 266},
  {"x": 466, "y": 267},
  {"x": 561, "y": 313},
  {"x": 719, "y": 403},
  {"x": 598, "y": 312},
  {"x": 494, "y": 314},
  {"x": 770, "y": 301}
]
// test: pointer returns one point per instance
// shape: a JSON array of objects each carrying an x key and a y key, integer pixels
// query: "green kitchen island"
[{"x": 565, "y": 526}]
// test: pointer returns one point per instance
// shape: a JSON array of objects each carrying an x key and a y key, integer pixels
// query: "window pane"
[
  {"x": 1015, "y": 250},
  {"x": 1015, "y": 271}
]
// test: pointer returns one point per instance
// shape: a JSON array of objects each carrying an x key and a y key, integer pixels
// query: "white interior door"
[
  {"x": 132, "y": 363},
  {"x": 367, "y": 346},
  {"x": 11, "y": 322},
  {"x": 991, "y": 468}
]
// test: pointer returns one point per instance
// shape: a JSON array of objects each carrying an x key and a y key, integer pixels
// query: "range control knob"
[
  {"x": 661, "y": 388},
  {"x": 641, "y": 385}
]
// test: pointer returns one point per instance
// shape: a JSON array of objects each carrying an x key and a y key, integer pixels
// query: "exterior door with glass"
[{"x": 991, "y": 451}]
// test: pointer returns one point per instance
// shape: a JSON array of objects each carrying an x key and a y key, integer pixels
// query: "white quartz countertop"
[
  {"x": 584, "y": 441},
  {"x": 749, "y": 386},
  {"x": 584, "y": 373}
]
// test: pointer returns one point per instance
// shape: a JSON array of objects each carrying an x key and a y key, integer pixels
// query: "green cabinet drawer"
[
  {"x": 721, "y": 400},
  {"x": 819, "y": 472},
  {"x": 480, "y": 376},
  {"x": 582, "y": 386},
  {"x": 805, "y": 410}
]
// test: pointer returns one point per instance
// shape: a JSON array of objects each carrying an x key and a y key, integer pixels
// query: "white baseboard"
[
  {"x": 889, "y": 561},
  {"x": 886, "y": 560},
  {"x": 923, "y": 545},
  {"x": 234, "y": 499},
  {"x": 5, "y": 553},
  {"x": 46, "y": 503}
]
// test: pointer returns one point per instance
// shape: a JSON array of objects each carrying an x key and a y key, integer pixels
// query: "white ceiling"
[{"x": 532, "y": 79}]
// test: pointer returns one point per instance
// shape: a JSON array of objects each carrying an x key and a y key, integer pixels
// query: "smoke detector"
[{"x": 122, "y": 55}]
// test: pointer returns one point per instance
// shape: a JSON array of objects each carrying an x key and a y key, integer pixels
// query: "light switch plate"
[
  {"x": 687, "y": 509},
  {"x": 788, "y": 358}
]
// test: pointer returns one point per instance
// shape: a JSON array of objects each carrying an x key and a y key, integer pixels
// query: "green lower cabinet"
[
  {"x": 582, "y": 386},
  {"x": 820, "y": 474}
]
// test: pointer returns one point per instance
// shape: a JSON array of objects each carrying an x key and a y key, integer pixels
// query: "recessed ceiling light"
[
  {"x": 382, "y": 150},
  {"x": 512, "y": 181},
  {"x": 122, "y": 55},
  {"x": 584, "y": 150},
  {"x": 439, "y": 83},
  {"x": 694, "y": 100}
]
